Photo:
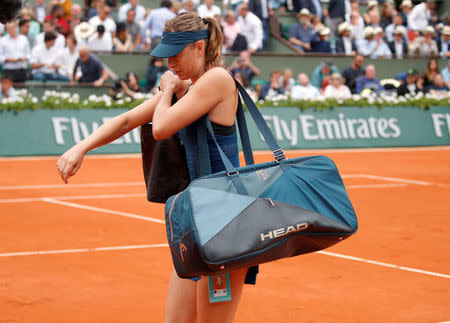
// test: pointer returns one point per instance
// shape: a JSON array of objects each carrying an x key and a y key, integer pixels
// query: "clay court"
[{"x": 95, "y": 250}]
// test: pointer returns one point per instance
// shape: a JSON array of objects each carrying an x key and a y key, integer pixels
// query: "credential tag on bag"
[{"x": 219, "y": 288}]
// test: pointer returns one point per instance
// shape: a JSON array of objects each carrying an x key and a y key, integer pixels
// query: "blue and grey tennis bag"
[{"x": 250, "y": 215}]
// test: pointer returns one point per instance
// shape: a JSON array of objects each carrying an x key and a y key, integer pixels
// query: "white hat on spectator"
[
  {"x": 324, "y": 31},
  {"x": 406, "y": 3},
  {"x": 84, "y": 30},
  {"x": 446, "y": 30},
  {"x": 428, "y": 29},
  {"x": 343, "y": 26},
  {"x": 399, "y": 30},
  {"x": 368, "y": 31},
  {"x": 372, "y": 3},
  {"x": 378, "y": 30},
  {"x": 304, "y": 11}
]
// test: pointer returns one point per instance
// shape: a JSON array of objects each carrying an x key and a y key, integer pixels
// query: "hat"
[
  {"x": 174, "y": 42},
  {"x": 327, "y": 63},
  {"x": 411, "y": 71},
  {"x": 304, "y": 11},
  {"x": 406, "y": 3},
  {"x": 428, "y": 29},
  {"x": 399, "y": 30},
  {"x": 344, "y": 27},
  {"x": 324, "y": 31},
  {"x": 372, "y": 3},
  {"x": 84, "y": 30},
  {"x": 368, "y": 31},
  {"x": 378, "y": 30},
  {"x": 446, "y": 30}
]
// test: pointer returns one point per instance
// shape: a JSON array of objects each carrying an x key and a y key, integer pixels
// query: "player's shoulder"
[{"x": 218, "y": 74}]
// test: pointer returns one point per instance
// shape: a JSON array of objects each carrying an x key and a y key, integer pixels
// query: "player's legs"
[
  {"x": 222, "y": 312},
  {"x": 181, "y": 305}
]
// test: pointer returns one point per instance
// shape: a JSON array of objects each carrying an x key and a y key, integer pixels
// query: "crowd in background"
[{"x": 53, "y": 40}]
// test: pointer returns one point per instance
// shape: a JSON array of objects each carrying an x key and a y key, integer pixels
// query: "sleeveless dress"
[{"x": 227, "y": 139}]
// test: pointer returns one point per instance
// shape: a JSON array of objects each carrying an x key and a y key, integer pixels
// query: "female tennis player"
[{"x": 193, "y": 47}]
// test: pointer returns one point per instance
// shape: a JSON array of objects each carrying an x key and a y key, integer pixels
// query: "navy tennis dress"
[{"x": 227, "y": 139}]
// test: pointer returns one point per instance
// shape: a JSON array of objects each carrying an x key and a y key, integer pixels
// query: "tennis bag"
[{"x": 259, "y": 213}]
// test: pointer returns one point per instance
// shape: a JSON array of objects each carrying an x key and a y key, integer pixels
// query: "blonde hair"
[{"x": 192, "y": 22}]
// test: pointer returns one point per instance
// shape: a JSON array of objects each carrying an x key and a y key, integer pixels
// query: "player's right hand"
[{"x": 69, "y": 163}]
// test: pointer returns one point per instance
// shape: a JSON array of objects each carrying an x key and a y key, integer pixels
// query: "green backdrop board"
[{"x": 50, "y": 132}]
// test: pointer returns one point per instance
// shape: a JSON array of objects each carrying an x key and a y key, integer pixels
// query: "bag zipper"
[{"x": 170, "y": 215}]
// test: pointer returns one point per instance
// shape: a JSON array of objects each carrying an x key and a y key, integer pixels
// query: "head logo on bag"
[
  {"x": 182, "y": 249},
  {"x": 282, "y": 231},
  {"x": 263, "y": 175}
]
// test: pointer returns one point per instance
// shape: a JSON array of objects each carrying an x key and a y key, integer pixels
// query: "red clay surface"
[{"x": 403, "y": 224}]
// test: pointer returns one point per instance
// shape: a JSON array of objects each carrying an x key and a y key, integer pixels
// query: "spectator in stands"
[
  {"x": 233, "y": 40},
  {"x": 387, "y": 12},
  {"x": 336, "y": 14},
  {"x": 357, "y": 32},
  {"x": 242, "y": 79},
  {"x": 272, "y": 88},
  {"x": 155, "y": 69},
  {"x": 188, "y": 6},
  {"x": 380, "y": 49},
  {"x": 304, "y": 91},
  {"x": 76, "y": 13},
  {"x": 321, "y": 74},
  {"x": 133, "y": 28},
  {"x": 250, "y": 27},
  {"x": 95, "y": 8},
  {"x": 420, "y": 15},
  {"x": 367, "y": 45},
  {"x": 344, "y": 43},
  {"x": 82, "y": 33},
  {"x": 424, "y": 46},
  {"x": 208, "y": 9},
  {"x": 40, "y": 10},
  {"x": 24, "y": 27},
  {"x": 49, "y": 26},
  {"x": 44, "y": 61},
  {"x": 316, "y": 24},
  {"x": 155, "y": 22},
  {"x": 405, "y": 10},
  {"x": 129, "y": 86},
  {"x": 122, "y": 41},
  {"x": 411, "y": 85},
  {"x": 427, "y": 78},
  {"x": 446, "y": 74},
  {"x": 287, "y": 82},
  {"x": 320, "y": 43},
  {"x": 368, "y": 82},
  {"x": 314, "y": 7},
  {"x": 131, "y": 4},
  {"x": 351, "y": 73},
  {"x": 398, "y": 46},
  {"x": 438, "y": 87},
  {"x": 244, "y": 65},
  {"x": 372, "y": 6},
  {"x": 14, "y": 53},
  {"x": 57, "y": 15},
  {"x": 261, "y": 9},
  {"x": 100, "y": 40},
  {"x": 374, "y": 18},
  {"x": 7, "y": 90},
  {"x": 335, "y": 89},
  {"x": 91, "y": 67},
  {"x": 444, "y": 42},
  {"x": 104, "y": 18},
  {"x": 302, "y": 33},
  {"x": 35, "y": 26},
  {"x": 68, "y": 56},
  {"x": 389, "y": 30}
]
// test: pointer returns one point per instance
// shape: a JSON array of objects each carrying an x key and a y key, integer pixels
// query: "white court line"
[
  {"x": 385, "y": 178},
  {"x": 370, "y": 186},
  {"x": 107, "y": 211},
  {"x": 256, "y": 152},
  {"x": 72, "y": 197},
  {"x": 49, "y": 186},
  {"x": 54, "y": 252},
  {"x": 383, "y": 264}
]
